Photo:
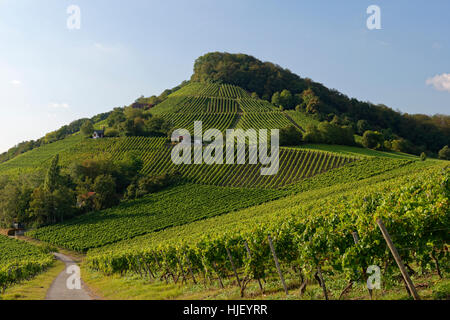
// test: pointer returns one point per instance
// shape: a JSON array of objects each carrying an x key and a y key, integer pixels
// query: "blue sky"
[{"x": 50, "y": 75}]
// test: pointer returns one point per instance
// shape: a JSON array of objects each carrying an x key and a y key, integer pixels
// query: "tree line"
[{"x": 59, "y": 194}]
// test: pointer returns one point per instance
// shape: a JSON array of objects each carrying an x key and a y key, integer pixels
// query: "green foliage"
[
  {"x": 444, "y": 153},
  {"x": 323, "y": 239},
  {"x": 87, "y": 129},
  {"x": 423, "y": 156},
  {"x": 373, "y": 139},
  {"x": 52, "y": 178},
  {"x": 441, "y": 291},
  {"x": 20, "y": 260},
  {"x": 151, "y": 184},
  {"x": 290, "y": 136},
  {"x": 329, "y": 133},
  {"x": 104, "y": 187},
  {"x": 362, "y": 126}
]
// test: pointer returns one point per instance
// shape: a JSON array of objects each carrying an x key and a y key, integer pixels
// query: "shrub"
[
  {"x": 444, "y": 153},
  {"x": 372, "y": 139},
  {"x": 290, "y": 136},
  {"x": 423, "y": 156}
]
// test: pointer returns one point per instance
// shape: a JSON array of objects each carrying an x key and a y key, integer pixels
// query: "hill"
[
  {"x": 269, "y": 80},
  {"x": 122, "y": 201}
]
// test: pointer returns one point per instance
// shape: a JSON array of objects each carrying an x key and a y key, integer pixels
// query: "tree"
[
  {"x": 362, "y": 126},
  {"x": 87, "y": 129},
  {"x": 14, "y": 201},
  {"x": 286, "y": 99},
  {"x": 290, "y": 136},
  {"x": 276, "y": 100},
  {"x": 53, "y": 178},
  {"x": 105, "y": 192},
  {"x": 444, "y": 153},
  {"x": 312, "y": 134},
  {"x": 116, "y": 117},
  {"x": 372, "y": 139},
  {"x": 311, "y": 102}
]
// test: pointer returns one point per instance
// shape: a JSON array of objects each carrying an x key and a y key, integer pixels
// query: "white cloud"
[
  {"x": 440, "y": 82},
  {"x": 59, "y": 105},
  {"x": 15, "y": 82}
]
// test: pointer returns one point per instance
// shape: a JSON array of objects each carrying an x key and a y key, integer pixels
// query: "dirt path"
[{"x": 59, "y": 290}]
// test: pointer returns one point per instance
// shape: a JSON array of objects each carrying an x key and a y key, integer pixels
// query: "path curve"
[{"x": 59, "y": 291}]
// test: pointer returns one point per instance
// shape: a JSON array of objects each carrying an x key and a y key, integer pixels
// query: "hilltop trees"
[{"x": 269, "y": 80}]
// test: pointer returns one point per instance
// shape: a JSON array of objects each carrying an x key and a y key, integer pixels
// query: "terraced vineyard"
[
  {"x": 194, "y": 101},
  {"x": 294, "y": 166},
  {"x": 266, "y": 120},
  {"x": 220, "y": 121}
]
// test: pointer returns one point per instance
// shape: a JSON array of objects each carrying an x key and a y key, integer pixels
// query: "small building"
[{"x": 98, "y": 134}]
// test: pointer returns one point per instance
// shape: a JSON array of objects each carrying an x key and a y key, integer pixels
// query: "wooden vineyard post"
[
  {"x": 356, "y": 239},
  {"x": 190, "y": 268},
  {"x": 250, "y": 256},
  {"x": 399, "y": 261},
  {"x": 234, "y": 267},
  {"x": 277, "y": 265}
]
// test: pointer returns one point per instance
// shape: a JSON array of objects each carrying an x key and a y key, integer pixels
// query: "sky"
[{"x": 51, "y": 74}]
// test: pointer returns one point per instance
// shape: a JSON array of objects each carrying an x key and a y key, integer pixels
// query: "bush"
[
  {"x": 444, "y": 153},
  {"x": 373, "y": 139},
  {"x": 290, "y": 136},
  {"x": 423, "y": 156},
  {"x": 111, "y": 132}
]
